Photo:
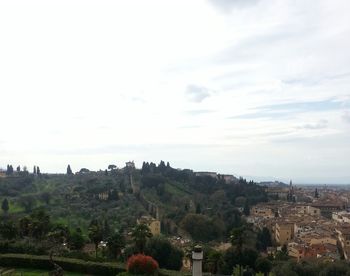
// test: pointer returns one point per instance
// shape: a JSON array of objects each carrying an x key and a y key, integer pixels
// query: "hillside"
[{"x": 120, "y": 196}]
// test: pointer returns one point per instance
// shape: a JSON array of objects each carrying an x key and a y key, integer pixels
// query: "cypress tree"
[
  {"x": 5, "y": 205},
  {"x": 69, "y": 170}
]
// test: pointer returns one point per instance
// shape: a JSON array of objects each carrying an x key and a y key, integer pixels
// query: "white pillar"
[{"x": 197, "y": 257}]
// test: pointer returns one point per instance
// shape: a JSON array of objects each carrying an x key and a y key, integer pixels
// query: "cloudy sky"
[{"x": 249, "y": 87}]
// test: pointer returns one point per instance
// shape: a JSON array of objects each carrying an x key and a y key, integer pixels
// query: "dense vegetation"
[
  {"x": 118, "y": 197},
  {"x": 45, "y": 214},
  {"x": 59, "y": 215}
]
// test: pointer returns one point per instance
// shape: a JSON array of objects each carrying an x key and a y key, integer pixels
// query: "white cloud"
[
  {"x": 197, "y": 93},
  {"x": 80, "y": 77},
  {"x": 346, "y": 116}
]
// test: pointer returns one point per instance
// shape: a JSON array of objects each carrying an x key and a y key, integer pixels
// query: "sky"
[{"x": 254, "y": 88}]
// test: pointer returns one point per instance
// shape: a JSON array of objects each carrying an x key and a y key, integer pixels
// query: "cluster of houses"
[{"x": 319, "y": 229}]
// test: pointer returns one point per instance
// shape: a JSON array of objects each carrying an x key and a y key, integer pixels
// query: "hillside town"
[{"x": 311, "y": 223}]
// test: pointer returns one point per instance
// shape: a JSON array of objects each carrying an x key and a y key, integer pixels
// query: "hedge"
[
  {"x": 73, "y": 265},
  {"x": 165, "y": 272},
  {"x": 161, "y": 272}
]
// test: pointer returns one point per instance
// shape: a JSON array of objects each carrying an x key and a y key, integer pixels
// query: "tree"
[
  {"x": 140, "y": 233},
  {"x": 167, "y": 255},
  {"x": 115, "y": 244},
  {"x": 76, "y": 240},
  {"x": 237, "y": 238},
  {"x": 106, "y": 230},
  {"x": 246, "y": 209},
  {"x": 27, "y": 202},
  {"x": 5, "y": 206},
  {"x": 59, "y": 234},
  {"x": 46, "y": 197},
  {"x": 198, "y": 208},
  {"x": 18, "y": 169},
  {"x": 112, "y": 167},
  {"x": 69, "y": 170},
  {"x": 263, "y": 239},
  {"x": 214, "y": 261},
  {"x": 9, "y": 170},
  {"x": 24, "y": 224},
  {"x": 8, "y": 230},
  {"x": 84, "y": 170},
  {"x": 283, "y": 254},
  {"x": 263, "y": 265},
  {"x": 34, "y": 170},
  {"x": 335, "y": 269},
  {"x": 38, "y": 171},
  {"x": 39, "y": 224},
  {"x": 95, "y": 234},
  {"x": 201, "y": 227}
]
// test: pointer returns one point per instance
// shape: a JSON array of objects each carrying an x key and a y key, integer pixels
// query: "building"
[
  {"x": 228, "y": 178},
  {"x": 341, "y": 217},
  {"x": 284, "y": 232},
  {"x": 278, "y": 192},
  {"x": 211, "y": 174},
  {"x": 262, "y": 211},
  {"x": 344, "y": 239},
  {"x": 329, "y": 206},
  {"x": 309, "y": 210},
  {"x": 152, "y": 223},
  {"x": 103, "y": 196},
  {"x": 130, "y": 164},
  {"x": 302, "y": 251}
]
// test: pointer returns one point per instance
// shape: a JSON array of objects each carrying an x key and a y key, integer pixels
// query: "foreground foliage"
[{"x": 142, "y": 265}]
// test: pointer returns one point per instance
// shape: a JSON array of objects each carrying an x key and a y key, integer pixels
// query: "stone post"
[{"x": 197, "y": 258}]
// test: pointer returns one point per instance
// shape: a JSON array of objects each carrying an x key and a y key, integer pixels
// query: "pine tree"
[
  {"x": 34, "y": 170},
  {"x": 38, "y": 170},
  {"x": 18, "y": 169}
]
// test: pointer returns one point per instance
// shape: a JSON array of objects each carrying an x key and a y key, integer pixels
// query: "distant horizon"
[{"x": 138, "y": 165}]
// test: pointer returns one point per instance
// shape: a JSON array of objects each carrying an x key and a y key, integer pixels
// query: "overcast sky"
[{"x": 248, "y": 87}]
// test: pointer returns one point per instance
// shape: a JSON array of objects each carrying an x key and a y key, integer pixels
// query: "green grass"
[
  {"x": 37, "y": 272},
  {"x": 175, "y": 190},
  {"x": 15, "y": 208}
]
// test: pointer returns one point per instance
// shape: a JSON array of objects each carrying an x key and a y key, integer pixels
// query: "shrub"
[{"x": 142, "y": 264}]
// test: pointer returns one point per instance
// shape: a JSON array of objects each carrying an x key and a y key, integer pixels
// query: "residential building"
[
  {"x": 344, "y": 239},
  {"x": 341, "y": 217},
  {"x": 262, "y": 211},
  {"x": 152, "y": 223},
  {"x": 284, "y": 232},
  {"x": 211, "y": 174}
]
